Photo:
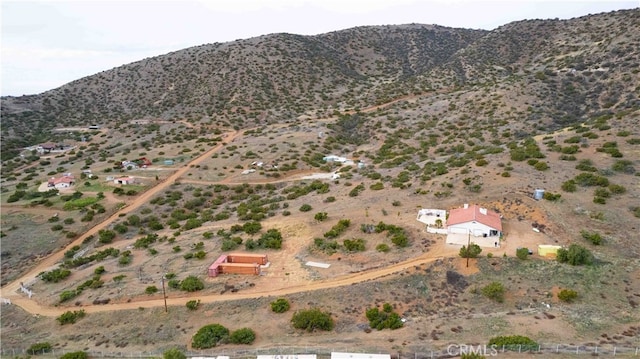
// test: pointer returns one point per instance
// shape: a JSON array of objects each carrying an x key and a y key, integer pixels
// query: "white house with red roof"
[
  {"x": 475, "y": 224},
  {"x": 67, "y": 180}
]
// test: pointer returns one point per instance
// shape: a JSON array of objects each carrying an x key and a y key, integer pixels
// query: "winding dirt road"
[{"x": 11, "y": 290}]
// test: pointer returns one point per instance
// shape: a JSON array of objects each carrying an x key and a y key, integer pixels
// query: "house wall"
[
  {"x": 477, "y": 229},
  {"x": 239, "y": 268}
]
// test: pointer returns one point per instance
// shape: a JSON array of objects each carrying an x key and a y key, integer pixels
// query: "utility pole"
[
  {"x": 468, "y": 245},
  {"x": 164, "y": 295}
]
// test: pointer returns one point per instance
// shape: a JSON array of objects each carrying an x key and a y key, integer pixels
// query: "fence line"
[{"x": 450, "y": 351}]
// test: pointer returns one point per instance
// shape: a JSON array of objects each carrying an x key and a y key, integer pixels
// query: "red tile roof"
[{"x": 475, "y": 213}]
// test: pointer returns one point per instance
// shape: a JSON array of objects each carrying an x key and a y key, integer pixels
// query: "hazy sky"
[{"x": 46, "y": 44}]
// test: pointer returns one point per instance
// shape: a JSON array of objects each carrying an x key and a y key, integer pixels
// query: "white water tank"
[{"x": 538, "y": 194}]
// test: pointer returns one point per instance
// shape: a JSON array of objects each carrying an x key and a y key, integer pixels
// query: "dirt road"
[
  {"x": 34, "y": 308},
  {"x": 10, "y": 290}
]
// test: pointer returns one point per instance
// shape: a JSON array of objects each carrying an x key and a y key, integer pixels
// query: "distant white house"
[
  {"x": 124, "y": 180},
  {"x": 333, "y": 158},
  {"x": 67, "y": 180}
]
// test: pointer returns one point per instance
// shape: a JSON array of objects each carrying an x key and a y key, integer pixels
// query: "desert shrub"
[
  {"x": 541, "y": 166},
  {"x": 106, "y": 236},
  {"x": 472, "y": 252},
  {"x": 377, "y": 186},
  {"x": 338, "y": 229},
  {"x": 55, "y": 275},
  {"x": 575, "y": 255},
  {"x": 252, "y": 227},
  {"x": 567, "y": 295},
  {"x": 624, "y": 166},
  {"x": 151, "y": 289},
  {"x": 354, "y": 245},
  {"x": 569, "y": 186},
  {"x": 385, "y": 319},
  {"x": 75, "y": 355},
  {"x": 513, "y": 342},
  {"x": 193, "y": 304},
  {"x": 242, "y": 336},
  {"x": 173, "y": 353},
  {"x": 505, "y": 174},
  {"x": 305, "y": 208},
  {"x": 382, "y": 247},
  {"x": 191, "y": 284},
  {"x": 68, "y": 295},
  {"x": 550, "y": 196},
  {"x": 617, "y": 189},
  {"x": 125, "y": 258},
  {"x": 590, "y": 179},
  {"x": 494, "y": 291},
  {"x": 522, "y": 253},
  {"x": 312, "y": 319},
  {"x": 70, "y": 317},
  {"x": 280, "y": 305},
  {"x": 330, "y": 199},
  {"x": 320, "y": 216},
  {"x": 209, "y": 336},
  {"x": 39, "y": 348},
  {"x": 593, "y": 237}
]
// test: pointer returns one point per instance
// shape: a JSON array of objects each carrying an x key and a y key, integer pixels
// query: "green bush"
[
  {"x": 549, "y": 196},
  {"x": 312, "y": 319},
  {"x": 320, "y": 216},
  {"x": 193, "y": 304},
  {"x": 494, "y": 291},
  {"x": 382, "y": 247},
  {"x": 55, "y": 275},
  {"x": 242, "y": 336},
  {"x": 567, "y": 295},
  {"x": 280, "y": 305},
  {"x": 152, "y": 289},
  {"x": 191, "y": 284},
  {"x": 593, "y": 237},
  {"x": 575, "y": 255},
  {"x": 209, "y": 336},
  {"x": 75, "y": 355},
  {"x": 354, "y": 245},
  {"x": 385, "y": 319},
  {"x": 173, "y": 353},
  {"x": 70, "y": 317},
  {"x": 522, "y": 253},
  {"x": 39, "y": 348},
  {"x": 305, "y": 208},
  {"x": 514, "y": 343}
]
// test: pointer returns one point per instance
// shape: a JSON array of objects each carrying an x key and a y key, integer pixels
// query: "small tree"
[
  {"x": 174, "y": 353},
  {"x": 151, "y": 289},
  {"x": 494, "y": 291},
  {"x": 280, "y": 305},
  {"x": 472, "y": 252}
]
